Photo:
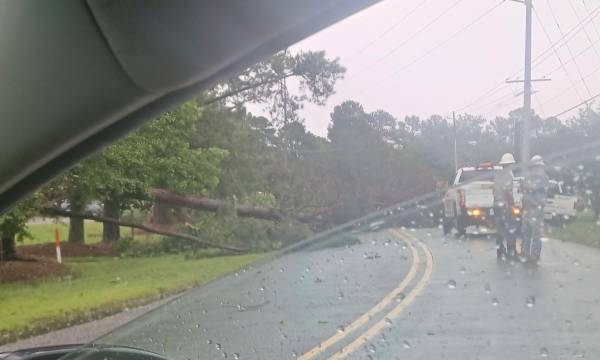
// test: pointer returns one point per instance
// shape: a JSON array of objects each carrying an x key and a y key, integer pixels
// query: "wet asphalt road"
[{"x": 395, "y": 295}]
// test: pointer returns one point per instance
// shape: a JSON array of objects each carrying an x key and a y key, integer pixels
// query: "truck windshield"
[{"x": 476, "y": 175}]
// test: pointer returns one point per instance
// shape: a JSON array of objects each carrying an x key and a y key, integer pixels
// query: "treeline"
[{"x": 212, "y": 148}]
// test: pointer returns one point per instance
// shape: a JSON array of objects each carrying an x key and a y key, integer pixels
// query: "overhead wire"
[
  {"x": 581, "y": 52},
  {"x": 388, "y": 29},
  {"x": 587, "y": 35},
  {"x": 569, "y": 48},
  {"x": 407, "y": 40},
  {"x": 566, "y": 37},
  {"x": 547, "y": 54},
  {"x": 587, "y": 10},
  {"x": 562, "y": 64},
  {"x": 564, "y": 91},
  {"x": 495, "y": 101},
  {"x": 438, "y": 45},
  {"x": 493, "y": 90},
  {"x": 584, "y": 102}
]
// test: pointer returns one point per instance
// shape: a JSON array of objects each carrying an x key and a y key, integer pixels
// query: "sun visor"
[{"x": 166, "y": 45}]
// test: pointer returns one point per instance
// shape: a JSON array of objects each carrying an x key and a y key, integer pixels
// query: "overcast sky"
[{"x": 465, "y": 66}]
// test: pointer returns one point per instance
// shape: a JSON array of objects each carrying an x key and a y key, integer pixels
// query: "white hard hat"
[
  {"x": 507, "y": 159},
  {"x": 537, "y": 160}
]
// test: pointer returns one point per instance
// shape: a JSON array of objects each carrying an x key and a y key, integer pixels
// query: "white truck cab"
[{"x": 470, "y": 199}]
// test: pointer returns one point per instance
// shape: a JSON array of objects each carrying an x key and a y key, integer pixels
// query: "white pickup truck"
[
  {"x": 470, "y": 200},
  {"x": 560, "y": 206}
]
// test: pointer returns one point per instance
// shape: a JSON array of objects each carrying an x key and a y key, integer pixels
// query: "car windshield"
[{"x": 301, "y": 209}]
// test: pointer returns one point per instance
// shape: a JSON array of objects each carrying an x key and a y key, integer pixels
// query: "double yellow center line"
[{"x": 372, "y": 331}]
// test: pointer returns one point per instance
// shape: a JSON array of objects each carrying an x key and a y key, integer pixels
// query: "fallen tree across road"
[
  {"x": 150, "y": 229},
  {"x": 198, "y": 203}
]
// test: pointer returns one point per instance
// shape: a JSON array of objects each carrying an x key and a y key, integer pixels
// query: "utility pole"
[
  {"x": 455, "y": 150},
  {"x": 522, "y": 130},
  {"x": 526, "y": 128}
]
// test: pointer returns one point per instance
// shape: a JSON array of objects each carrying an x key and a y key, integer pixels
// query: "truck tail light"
[{"x": 461, "y": 199}]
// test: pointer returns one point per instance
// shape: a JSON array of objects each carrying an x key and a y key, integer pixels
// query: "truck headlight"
[{"x": 474, "y": 212}]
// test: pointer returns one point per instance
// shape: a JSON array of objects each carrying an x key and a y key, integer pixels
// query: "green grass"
[
  {"x": 102, "y": 286},
  {"x": 583, "y": 230},
  {"x": 44, "y": 233}
]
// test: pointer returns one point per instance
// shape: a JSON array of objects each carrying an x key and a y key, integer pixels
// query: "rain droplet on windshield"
[
  {"x": 406, "y": 344},
  {"x": 544, "y": 352},
  {"x": 487, "y": 288},
  {"x": 452, "y": 284},
  {"x": 530, "y": 301},
  {"x": 495, "y": 302}
]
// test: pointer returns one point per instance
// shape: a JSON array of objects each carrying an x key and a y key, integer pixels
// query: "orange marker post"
[{"x": 57, "y": 242}]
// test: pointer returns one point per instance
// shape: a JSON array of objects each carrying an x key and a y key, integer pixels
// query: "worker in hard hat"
[
  {"x": 503, "y": 204},
  {"x": 535, "y": 191}
]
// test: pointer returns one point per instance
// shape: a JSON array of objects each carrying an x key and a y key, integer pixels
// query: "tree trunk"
[
  {"x": 167, "y": 198},
  {"x": 7, "y": 248},
  {"x": 112, "y": 209},
  {"x": 160, "y": 213},
  {"x": 76, "y": 225}
]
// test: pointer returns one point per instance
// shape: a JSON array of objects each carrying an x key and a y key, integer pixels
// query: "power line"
[
  {"x": 571, "y": 87},
  {"x": 585, "y": 102},
  {"x": 587, "y": 35},
  {"x": 505, "y": 103},
  {"x": 388, "y": 30},
  {"x": 496, "y": 101},
  {"x": 546, "y": 54},
  {"x": 562, "y": 64},
  {"x": 593, "y": 23},
  {"x": 583, "y": 51},
  {"x": 406, "y": 41},
  {"x": 440, "y": 44},
  {"x": 569, "y": 48},
  {"x": 486, "y": 94}
]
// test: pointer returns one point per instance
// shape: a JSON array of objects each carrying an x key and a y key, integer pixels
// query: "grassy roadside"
[
  {"x": 101, "y": 286},
  {"x": 44, "y": 232},
  {"x": 583, "y": 230}
]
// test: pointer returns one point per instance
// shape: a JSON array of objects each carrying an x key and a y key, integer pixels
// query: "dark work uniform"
[
  {"x": 506, "y": 226},
  {"x": 534, "y": 199}
]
